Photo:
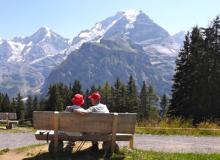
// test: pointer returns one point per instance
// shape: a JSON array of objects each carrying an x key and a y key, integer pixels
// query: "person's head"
[
  {"x": 78, "y": 100},
  {"x": 95, "y": 98}
]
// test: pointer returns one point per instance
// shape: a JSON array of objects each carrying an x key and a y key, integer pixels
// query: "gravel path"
[
  {"x": 182, "y": 144},
  {"x": 15, "y": 140},
  {"x": 187, "y": 144}
]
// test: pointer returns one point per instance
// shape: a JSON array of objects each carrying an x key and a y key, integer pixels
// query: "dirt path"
[
  {"x": 188, "y": 144},
  {"x": 15, "y": 140},
  {"x": 182, "y": 144}
]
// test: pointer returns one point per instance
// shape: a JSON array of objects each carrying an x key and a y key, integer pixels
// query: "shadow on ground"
[{"x": 86, "y": 154}]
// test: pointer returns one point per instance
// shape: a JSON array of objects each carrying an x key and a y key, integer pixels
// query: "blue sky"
[{"x": 69, "y": 17}]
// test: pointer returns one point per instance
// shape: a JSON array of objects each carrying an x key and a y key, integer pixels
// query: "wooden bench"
[
  {"x": 9, "y": 119},
  {"x": 109, "y": 127}
]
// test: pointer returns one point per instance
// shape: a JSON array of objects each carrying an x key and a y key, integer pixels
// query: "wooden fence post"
[
  {"x": 114, "y": 131},
  {"x": 56, "y": 127}
]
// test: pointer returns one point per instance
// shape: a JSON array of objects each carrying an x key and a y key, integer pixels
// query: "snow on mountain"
[
  {"x": 126, "y": 43},
  {"x": 42, "y": 43},
  {"x": 131, "y": 24},
  {"x": 33, "y": 57},
  {"x": 27, "y": 61}
]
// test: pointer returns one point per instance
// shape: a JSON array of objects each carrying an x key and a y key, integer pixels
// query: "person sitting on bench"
[{"x": 77, "y": 102}]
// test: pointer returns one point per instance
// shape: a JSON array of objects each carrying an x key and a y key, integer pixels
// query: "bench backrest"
[
  {"x": 11, "y": 116},
  {"x": 92, "y": 122}
]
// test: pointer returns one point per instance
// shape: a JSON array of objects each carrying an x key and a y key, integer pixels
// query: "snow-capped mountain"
[
  {"x": 126, "y": 43},
  {"x": 42, "y": 43},
  {"x": 130, "y": 24},
  {"x": 25, "y": 62}
]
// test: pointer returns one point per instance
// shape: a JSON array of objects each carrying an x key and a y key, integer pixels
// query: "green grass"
[
  {"x": 21, "y": 149},
  {"x": 150, "y": 155},
  {"x": 177, "y": 131},
  {"x": 125, "y": 154},
  {"x": 3, "y": 151},
  {"x": 17, "y": 129},
  {"x": 177, "y": 126}
]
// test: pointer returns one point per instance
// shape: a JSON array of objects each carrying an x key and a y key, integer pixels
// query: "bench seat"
[
  {"x": 49, "y": 135},
  {"x": 5, "y": 121}
]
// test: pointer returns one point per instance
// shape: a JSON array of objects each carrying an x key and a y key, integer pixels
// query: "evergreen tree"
[
  {"x": 122, "y": 93},
  {"x": 87, "y": 102},
  {"x": 144, "y": 103},
  {"x": 196, "y": 81},
  {"x": 163, "y": 106},
  {"x": 5, "y": 104},
  {"x": 20, "y": 107},
  {"x": 55, "y": 101},
  {"x": 42, "y": 105},
  {"x": 132, "y": 97},
  {"x": 76, "y": 88},
  {"x": 1, "y": 99},
  {"x": 13, "y": 106},
  {"x": 36, "y": 105},
  {"x": 181, "y": 85},
  {"x": 106, "y": 94},
  {"x": 152, "y": 97},
  {"x": 115, "y": 96},
  {"x": 29, "y": 108}
]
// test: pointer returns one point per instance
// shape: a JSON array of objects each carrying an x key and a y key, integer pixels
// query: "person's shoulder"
[
  {"x": 104, "y": 108},
  {"x": 75, "y": 107},
  {"x": 103, "y": 105}
]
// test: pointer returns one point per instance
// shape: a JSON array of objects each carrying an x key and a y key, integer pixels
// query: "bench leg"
[
  {"x": 59, "y": 147},
  {"x": 10, "y": 125},
  {"x": 131, "y": 142}
]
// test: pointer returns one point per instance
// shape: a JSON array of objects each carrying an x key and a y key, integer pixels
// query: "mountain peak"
[
  {"x": 45, "y": 31},
  {"x": 132, "y": 13}
]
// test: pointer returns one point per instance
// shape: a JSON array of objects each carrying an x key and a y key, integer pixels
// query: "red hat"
[
  {"x": 78, "y": 100},
  {"x": 95, "y": 95}
]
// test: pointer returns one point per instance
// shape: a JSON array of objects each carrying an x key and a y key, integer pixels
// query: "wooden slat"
[
  {"x": 43, "y": 120},
  {"x": 5, "y": 121},
  {"x": 126, "y": 123},
  {"x": 42, "y": 135},
  {"x": 11, "y": 116},
  {"x": 92, "y": 122}
]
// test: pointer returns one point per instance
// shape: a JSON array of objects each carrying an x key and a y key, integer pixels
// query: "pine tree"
[
  {"x": 106, "y": 94},
  {"x": 132, "y": 97},
  {"x": 196, "y": 81},
  {"x": 152, "y": 97},
  {"x": 55, "y": 101},
  {"x": 163, "y": 106},
  {"x": 181, "y": 85},
  {"x": 36, "y": 105},
  {"x": 144, "y": 103},
  {"x": 20, "y": 107},
  {"x": 42, "y": 105},
  {"x": 5, "y": 103},
  {"x": 13, "y": 106},
  {"x": 76, "y": 88},
  {"x": 87, "y": 102},
  {"x": 115, "y": 96},
  {"x": 122, "y": 93},
  {"x": 29, "y": 108}
]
